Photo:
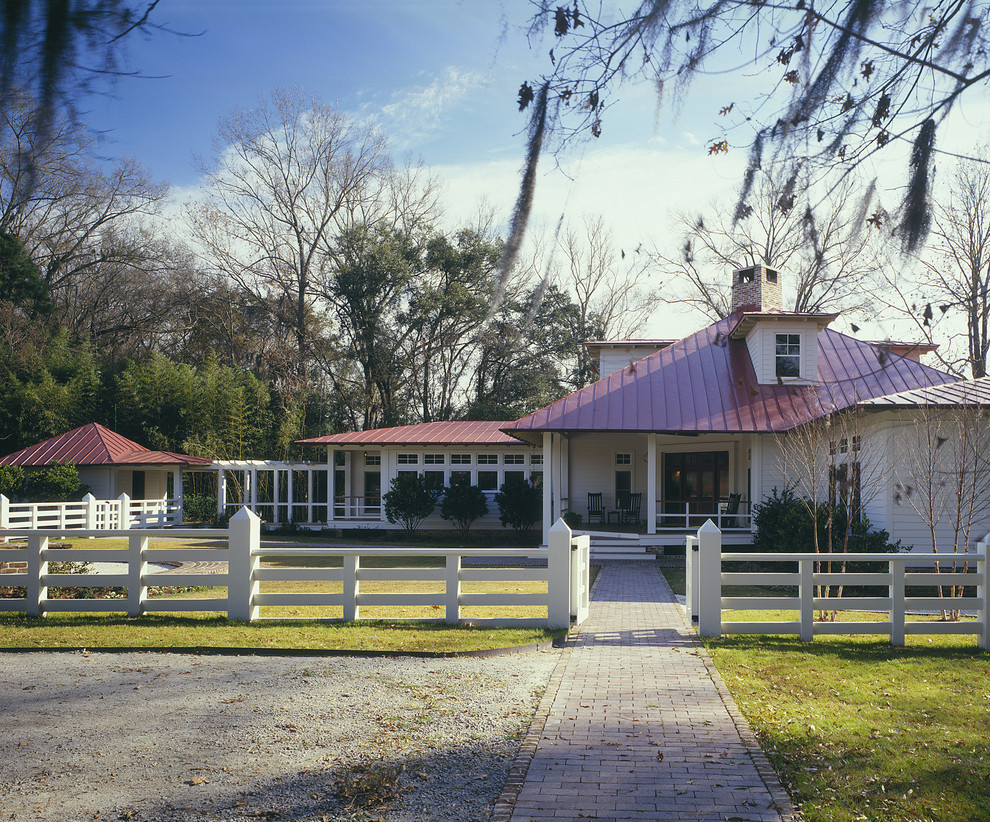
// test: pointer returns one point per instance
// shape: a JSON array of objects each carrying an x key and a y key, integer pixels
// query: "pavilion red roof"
[
  {"x": 462, "y": 432},
  {"x": 94, "y": 444},
  {"x": 706, "y": 383}
]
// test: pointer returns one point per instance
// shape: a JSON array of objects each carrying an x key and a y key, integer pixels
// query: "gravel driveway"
[{"x": 147, "y": 736}]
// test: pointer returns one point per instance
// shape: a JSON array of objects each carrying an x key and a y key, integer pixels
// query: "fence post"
[
  {"x": 559, "y": 576},
  {"x": 982, "y": 592},
  {"x": 137, "y": 567},
  {"x": 897, "y": 610},
  {"x": 243, "y": 543},
  {"x": 580, "y": 578},
  {"x": 37, "y": 566},
  {"x": 352, "y": 589},
  {"x": 452, "y": 595},
  {"x": 806, "y": 599},
  {"x": 89, "y": 508},
  {"x": 709, "y": 580},
  {"x": 124, "y": 512},
  {"x": 691, "y": 579},
  {"x": 4, "y": 516}
]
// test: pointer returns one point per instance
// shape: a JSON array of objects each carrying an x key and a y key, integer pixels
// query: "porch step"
[{"x": 615, "y": 545}]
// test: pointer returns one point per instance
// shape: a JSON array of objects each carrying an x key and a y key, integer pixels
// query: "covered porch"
[{"x": 654, "y": 486}]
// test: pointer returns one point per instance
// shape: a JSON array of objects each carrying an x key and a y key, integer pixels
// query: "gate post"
[
  {"x": 709, "y": 600},
  {"x": 243, "y": 542},
  {"x": 559, "y": 576}
]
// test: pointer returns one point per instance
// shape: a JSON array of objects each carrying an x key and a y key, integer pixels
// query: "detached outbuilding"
[{"x": 111, "y": 464}]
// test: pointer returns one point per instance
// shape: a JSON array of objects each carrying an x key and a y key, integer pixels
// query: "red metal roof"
[
  {"x": 950, "y": 395},
  {"x": 706, "y": 383},
  {"x": 464, "y": 432},
  {"x": 94, "y": 444}
]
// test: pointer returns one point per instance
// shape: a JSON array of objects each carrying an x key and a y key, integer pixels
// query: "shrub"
[
  {"x": 573, "y": 519},
  {"x": 783, "y": 525},
  {"x": 520, "y": 505},
  {"x": 199, "y": 508},
  {"x": 410, "y": 500},
  {"x": 58, "y": 482},
  {"x": 462, "y": 504}
]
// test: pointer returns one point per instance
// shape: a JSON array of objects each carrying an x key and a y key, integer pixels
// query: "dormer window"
[{"x": 788, "y": 362}]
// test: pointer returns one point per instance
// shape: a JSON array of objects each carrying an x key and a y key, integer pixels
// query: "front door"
[
  {"x": 693, "y": 485},
  {"x": 137, "y": 485}
]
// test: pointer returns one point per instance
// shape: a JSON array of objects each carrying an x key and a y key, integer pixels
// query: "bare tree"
[
  {"x": 94, "y": 234},
  {"x": 823, "y": 249},
  {"x": 943, "y": 477},
  {"x": 611, "y": 288},
  {"x": 951, "y": 277},
  {"x": 836, "y": 465},
  {"x": 289, "y": 176}
]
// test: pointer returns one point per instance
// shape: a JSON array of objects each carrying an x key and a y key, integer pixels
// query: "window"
[
  {"x": 536, "y": 459},
  {"x": 488, "y": 480},
  {"x": 843, "y": 446},
  {"x": 372, "y": 459},
  {"x": 408, "y": 459},
  {"x": 515, "y": 476},
  {"x": 338, "y": 457},
  {"x": 434, "y": 479},
  {"x": 433, "y": 459},
  {"x": 536, "y": 479},
  {"x": 855, "y": 442},
  {"x": 460, "y": 459},
  {"x": 623, "y": 459},
  {"x": 487, "y": 459},
  {"x": 457, "y": 477},
  {"x": 514, "y": 459},
  {"x": 788, "y": 355}
]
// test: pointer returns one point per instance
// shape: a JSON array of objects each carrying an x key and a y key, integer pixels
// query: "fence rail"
[
  {"x": 705, "y": 580},
  {"x": 92, "y": 513},
  {"x": 566, "y": 574}
]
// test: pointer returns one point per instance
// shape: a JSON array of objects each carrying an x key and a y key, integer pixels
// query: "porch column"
[
  {"x": 547, "y": 485},
  {"x": 331, "y": 469},
  {"x": 289, "y": 493},
  {"x": 309, "y": 494},
  {"x": 651, "y": 483},
  {"x": 756, "y": 461},
  {"x": 253, "y": 505},
  {"x": 221, "y": 491},
  {"x": 177, "y": 493},
  {"x": 275, "y": 497}
]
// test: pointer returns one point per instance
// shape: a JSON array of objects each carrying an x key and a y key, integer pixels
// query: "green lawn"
[
  {"x": 203, "y": 631},
  {"x": 859, "y": 730}
]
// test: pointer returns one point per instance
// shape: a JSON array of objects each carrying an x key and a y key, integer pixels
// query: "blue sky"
[{"x": 440, "y": 77}]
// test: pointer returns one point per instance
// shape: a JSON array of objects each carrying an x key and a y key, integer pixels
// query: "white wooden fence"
[
  {"x": 92, "y": 513},
  {"x": 566, "y": 574},
  {"x": 705, "y": 580}
]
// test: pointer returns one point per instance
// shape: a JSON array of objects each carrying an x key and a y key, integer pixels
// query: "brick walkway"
[{"x": 638, "y": 725}]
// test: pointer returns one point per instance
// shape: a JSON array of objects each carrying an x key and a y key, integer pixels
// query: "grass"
[
  {"x": 198, "y": 631},
  {"x": 860, "y": 730}
]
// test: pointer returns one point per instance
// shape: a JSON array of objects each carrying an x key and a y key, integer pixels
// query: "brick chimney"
[{"x": 756, "y": 289}]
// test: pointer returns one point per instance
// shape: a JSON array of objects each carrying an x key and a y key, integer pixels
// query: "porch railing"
[{"x": 679, "y": 515}]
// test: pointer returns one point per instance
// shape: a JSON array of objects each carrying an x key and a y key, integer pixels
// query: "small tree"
[
  {"x": 463, "y": 504},
  {"x": 58, "y": 482},
  {"x": 11, "y": 481},
  {"x": 520, "y": 505},
  {"x": 410, "y": 500}
]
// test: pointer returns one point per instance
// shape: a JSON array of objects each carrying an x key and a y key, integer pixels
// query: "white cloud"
[{"x": 418, "y": 111}]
